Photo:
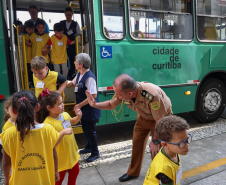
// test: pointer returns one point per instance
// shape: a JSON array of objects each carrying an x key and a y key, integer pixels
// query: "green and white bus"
[{"x": 178, "y": 45}]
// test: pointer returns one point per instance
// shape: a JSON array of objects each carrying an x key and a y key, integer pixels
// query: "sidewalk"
[{"x": 201, "y": 152}]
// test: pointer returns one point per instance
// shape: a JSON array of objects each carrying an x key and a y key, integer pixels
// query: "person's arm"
[
  {"x": 70, "y": 84},
  {"x": 76, "y": 119},
  {"x": 165, "y": 180},
  {"x": 158, "y": 109},
  {"x": 106, "y": 105},
  {"x": 62, "y": 81},
  {"x": 154, "y": 149},
  {"x": 66, "y": 131},
  {"x": 85, "y": 102},
  {"x": 72, "y": 42},
  {"x": 62, "y": 87},
  {"x": 44, "y": 53},
  {"x": 69, "y": 42},
  {"x": 28, "y": 43},
  {"x": 6, "y": 165},
  {"x": 57, "y": 175},
  {"x": 45, "y": 47}
]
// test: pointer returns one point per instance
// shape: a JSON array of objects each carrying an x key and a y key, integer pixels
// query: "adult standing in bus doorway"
[
  {"x": 86, "y": 80},
  {"x": 33, "y": 11},
  {"x": 70, "y": 29},
  {"x": 150, "y": 103}
]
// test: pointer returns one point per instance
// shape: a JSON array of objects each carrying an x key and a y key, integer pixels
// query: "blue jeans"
[{"x": 91, "y": 136}]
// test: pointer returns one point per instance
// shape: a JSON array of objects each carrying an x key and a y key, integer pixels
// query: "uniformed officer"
[{"x": 151, "y": 103}]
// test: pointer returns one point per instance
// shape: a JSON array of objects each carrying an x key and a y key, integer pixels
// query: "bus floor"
[{"x": 205, "y": 164}]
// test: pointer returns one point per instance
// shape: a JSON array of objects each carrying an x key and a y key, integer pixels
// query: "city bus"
[{"x": 178, "y": 45}]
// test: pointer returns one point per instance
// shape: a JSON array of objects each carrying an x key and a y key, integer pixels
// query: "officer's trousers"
[{"x": 141, "y": 133}]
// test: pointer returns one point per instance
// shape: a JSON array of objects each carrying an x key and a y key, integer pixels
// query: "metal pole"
[{"x": 13, "y": 49}]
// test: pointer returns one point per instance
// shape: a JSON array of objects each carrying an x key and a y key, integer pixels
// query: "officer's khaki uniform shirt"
[{"x": 147, "y": 106}]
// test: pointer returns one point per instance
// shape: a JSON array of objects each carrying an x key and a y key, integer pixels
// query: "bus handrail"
[
  {"x": 159, "y": 11},
  {"x": 25, "y": 64},
  {"x": 82, "y": 36},
  {"x": 18, "y": 42}
]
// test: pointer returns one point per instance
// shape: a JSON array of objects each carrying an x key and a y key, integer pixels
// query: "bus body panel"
[
  {"x": 159, "y": 62},
  {"x": 4, "y": 90}
]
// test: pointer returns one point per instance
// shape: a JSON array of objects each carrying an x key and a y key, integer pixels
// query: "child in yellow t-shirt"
[
  {"x": 51, "y": 112},
  {"x": 10, "y": 117},
  {"x": 29, "y": 147},
  {"x": 59, "y": 42},
  {"x": 175, "y": 140},
  {"x": 29, "y": 27},
  {"x": 39, "y": 40},
  {"x": 44, "y": 78}
]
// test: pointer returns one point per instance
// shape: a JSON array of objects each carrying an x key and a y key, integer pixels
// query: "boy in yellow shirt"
[
  {"x": 39, "y": 40},
  {"x": 59, "y": 42},
  {"x": 44, "y": 78},
  {"x": 29, "y": 27},
  {"x": 175, "y": 140}
]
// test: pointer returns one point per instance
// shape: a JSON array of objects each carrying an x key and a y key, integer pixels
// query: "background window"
[
  {"x": 162, "y": 19},
  {"x": 211, "y": 20},
  {"x": 113, "y": 19},
  {"x": 49, "y": 17}
]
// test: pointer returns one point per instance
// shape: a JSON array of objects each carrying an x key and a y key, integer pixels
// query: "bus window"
[
  {"x": 211, "y": 20},
  {"x": 113, "y": 19},
  {"x": 49, "y": 17},
  {"x": 161, "y": 19}
]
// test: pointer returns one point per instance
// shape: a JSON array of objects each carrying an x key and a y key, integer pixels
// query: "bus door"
[{"x": 16, "y": 64}]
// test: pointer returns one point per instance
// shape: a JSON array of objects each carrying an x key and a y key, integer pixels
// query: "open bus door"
[{"x": 84, "y": 42}]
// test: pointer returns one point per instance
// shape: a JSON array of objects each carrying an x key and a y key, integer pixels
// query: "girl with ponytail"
[
  {"x": 51, "y": 112},
  {"x": 29, "y": 147}
]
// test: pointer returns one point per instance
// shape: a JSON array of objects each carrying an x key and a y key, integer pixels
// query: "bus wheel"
[{"x": 210, "y": 101}]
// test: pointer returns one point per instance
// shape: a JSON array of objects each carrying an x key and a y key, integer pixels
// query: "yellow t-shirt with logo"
[
  {"x": 7, "y": 124},
  {"x": 162, "y": 164},
  {"x": 38, "y": 42},
  {"x": 58, "y": 52},
  {"x": 32, "y": 161},
  {"x": 67, "y": 150},
  {"x": 49, "y": 81},
  {"x": 28, "y": 49}
]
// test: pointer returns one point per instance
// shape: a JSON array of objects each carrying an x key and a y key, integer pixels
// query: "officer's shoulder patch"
[
  {"x": 147, "y": 95},
  {"x": 155, "y": 105}
]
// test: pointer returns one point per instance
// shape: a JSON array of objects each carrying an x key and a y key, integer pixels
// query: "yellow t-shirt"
[
  {"x": 38, "y": 42},
  {"x": 58, "y": 52},
  {"x": 67, "y": 150},
  {"x": 32, "y": 163},
  {"x": 28, "y": 49},
  {"x": 162, "y": 164},
  {"x": 7, "y": 124},
  {"x": 49, "y": 81}
]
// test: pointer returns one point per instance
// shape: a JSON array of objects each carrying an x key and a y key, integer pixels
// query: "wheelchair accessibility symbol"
[{"x": 106, "y": 51}]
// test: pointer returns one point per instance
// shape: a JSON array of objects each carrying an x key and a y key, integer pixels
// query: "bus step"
[{"x": 77, "y": 129}]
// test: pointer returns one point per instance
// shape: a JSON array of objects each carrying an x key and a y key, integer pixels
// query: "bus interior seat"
[
  {"x": 139, "y": 34},
  {"x": 211, "y": 31}
]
